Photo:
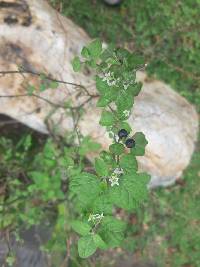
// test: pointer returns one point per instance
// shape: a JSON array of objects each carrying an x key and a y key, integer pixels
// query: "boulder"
[{"x": 36, "y": 37}]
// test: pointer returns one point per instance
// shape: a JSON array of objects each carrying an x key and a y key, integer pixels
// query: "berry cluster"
[{"x": 130, "y": 143}]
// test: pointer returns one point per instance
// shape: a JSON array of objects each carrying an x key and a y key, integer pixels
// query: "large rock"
[
  {"x": 36, "y": 37},
  {"x": 170, "y": 124}
]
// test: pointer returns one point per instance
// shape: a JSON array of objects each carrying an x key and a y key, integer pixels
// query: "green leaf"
[
  {"x": 86, "y": 246},
  {"x": 108, "y": 52},
  {"x": 85, "y": 52},
  {"x": 99, "y": 242},
  {"x": 76, "y": 64},
  {"x": 131, "y": 192},
  {"x": 49, "y": 150},
  {"x": 107, "y": 157},
  {"x": 101, "y": 85},
  {"x": 81, "y": 228},
  {"x": 124, "y": 101},
  {"x": 86, "y": 186},
  {"x": 112, "y": 231},
  {"x": 123, "y": 115},
  {"x": 101, "y": 167},
  {"x": 95, "y": 48},
  {"x": 10, "y": 260},
  {"x": 42, "y": 87},
  {"x": 91, "y": 63},
  {"x": 116, "y": 69},
  {"x": 124, "y": 125},
  {"x": 88, "y": 145},
  {"x": 53, "y": 84},
  {"x": 110, "y": 94},
  {"x": 135, "y": 61},
  {"x": 103, "y": 205},
  {"x": 103, "y": 101},
  {"x": 140, "y": 143},
  {"x": 39, "y": 177},
  {"x": 122, "y": 53},
  {"x": 116, "y": 149},
  {"x": 30, "y": 89},
  {"x": 107, "y": 118},
  {"x": 135, "y": 89},
  {"x": 129, "y": 163},
  {"x": 25, "y": 142}
]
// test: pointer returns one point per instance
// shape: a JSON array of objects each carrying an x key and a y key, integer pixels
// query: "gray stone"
[{"x": 28, "y": 252}]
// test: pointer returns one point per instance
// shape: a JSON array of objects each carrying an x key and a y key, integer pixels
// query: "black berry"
[
  {"x": 130, "y": 143},
  {"x": 122, "y": 133}
]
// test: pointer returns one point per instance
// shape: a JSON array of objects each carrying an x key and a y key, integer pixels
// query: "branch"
[
  {"x": 46, "y": 77},
  {"x": 50, "y": 102}
]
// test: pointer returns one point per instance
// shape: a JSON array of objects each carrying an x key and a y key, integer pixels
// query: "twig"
[
  {"x": 65, "y": 262},
  {"x": 50, "y": 102},
  {"x": 47, "y": 77}
]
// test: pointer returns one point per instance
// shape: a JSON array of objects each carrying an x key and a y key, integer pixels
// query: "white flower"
[
  {"x": 110, "y": 79},
  {"x": 126, "y": 113},
  {"x": 95, "y": 217},
  {"x": 107, "y": 77},
  {"x": 127, "y": 83},
  {"x": 118, "y": 171},
  {"x": 125, "y": 86},
  {"x": 114, "y": 178},
  {"x": 111, "y": 83}
]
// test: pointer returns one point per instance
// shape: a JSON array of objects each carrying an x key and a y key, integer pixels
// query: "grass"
[
  {"x": 166, "y": 34},
  {"x": 173, "y": 220}
]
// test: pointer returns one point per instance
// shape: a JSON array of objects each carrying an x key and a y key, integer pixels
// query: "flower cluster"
[
  {"x": 128, "y": 82},
  {"x": 114, "y": 178},
  {"x": 95, "y": 217},
  {"x": 126, "y": 113},
  {"x": 110, "y": 79},
  {"x": 126, "y": 85}
]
